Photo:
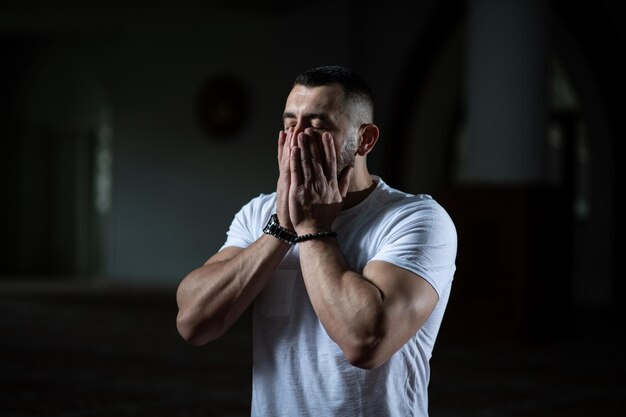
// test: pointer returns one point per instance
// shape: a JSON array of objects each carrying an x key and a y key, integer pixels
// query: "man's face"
[{"x": 322, "y": 109}]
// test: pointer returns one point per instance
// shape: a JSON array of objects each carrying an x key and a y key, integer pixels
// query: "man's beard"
[{"x": 347, "y": 154}]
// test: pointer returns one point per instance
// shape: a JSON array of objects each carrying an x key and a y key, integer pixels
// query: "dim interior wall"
[
  {"x": 388, "y": 44},
  {"x": 175, "y": 188}
]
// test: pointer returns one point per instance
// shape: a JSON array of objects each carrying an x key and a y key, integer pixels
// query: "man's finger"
[
  {"x": 314, "y": 144},
  {"x": 315, "y": 152},
  {"x": 284, "y": 152},
  {"x": 331, "y": 157},
  {"x": 295, "y": 166},
  {"x": 305, "y": 156}
]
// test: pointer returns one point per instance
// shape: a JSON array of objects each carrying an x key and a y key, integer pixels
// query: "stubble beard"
[{"x": 347, "y": 154}]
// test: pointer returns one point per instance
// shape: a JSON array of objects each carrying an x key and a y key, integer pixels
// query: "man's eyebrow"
[{"x": 310, "y": 116}]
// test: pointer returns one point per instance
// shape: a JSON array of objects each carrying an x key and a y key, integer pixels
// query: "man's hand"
[
  {"x": 284, "y": 179},
  {"x": 315, "y": 192}
]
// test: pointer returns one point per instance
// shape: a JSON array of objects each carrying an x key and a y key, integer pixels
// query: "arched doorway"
[
  {"x": 579, "y": 181},
  {"x": 60, "y": 138}
]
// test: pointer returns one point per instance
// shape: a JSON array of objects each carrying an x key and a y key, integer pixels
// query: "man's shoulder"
[
  {"x": 398, "y": 206},
  {"x": 260, "y": 206},
  {"x": 263, "y": 199},
  {"x": 395, "y": 199}
]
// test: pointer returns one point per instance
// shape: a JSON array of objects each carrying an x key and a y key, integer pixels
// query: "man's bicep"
[{"x": 408, "y": 299}]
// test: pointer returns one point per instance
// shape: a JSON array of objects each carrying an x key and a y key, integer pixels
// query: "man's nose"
[{"x": 300, "y": 127}]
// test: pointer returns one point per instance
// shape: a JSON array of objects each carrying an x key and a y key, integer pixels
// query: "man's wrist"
[
  {"x": 273, "y": 228},
  {"x": 315, "y": 236}
]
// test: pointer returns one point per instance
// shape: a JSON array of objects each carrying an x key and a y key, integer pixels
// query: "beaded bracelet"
[{"x": 311, "y": 236}]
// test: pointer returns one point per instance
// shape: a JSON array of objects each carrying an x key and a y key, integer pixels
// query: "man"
[{"x": 349, "y": 277}]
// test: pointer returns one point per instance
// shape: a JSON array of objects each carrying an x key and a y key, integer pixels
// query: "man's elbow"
[
  {"x": 194, "y": 333},
  {"x": 366, "y": 354}
]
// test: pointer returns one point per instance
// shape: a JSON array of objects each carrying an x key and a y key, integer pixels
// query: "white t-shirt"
[{"x": 298, "y": 370}]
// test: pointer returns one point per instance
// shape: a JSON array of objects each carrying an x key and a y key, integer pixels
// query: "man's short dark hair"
[{"x": 355, "y": 89}]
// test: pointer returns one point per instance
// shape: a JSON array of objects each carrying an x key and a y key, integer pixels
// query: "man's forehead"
[{"x": 323, "y": 98}]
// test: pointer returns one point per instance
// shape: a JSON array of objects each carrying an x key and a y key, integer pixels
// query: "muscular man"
[{"x": 349, "y": 277}]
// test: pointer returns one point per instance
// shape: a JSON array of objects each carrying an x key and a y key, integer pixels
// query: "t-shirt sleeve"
[
  {"x": 422, "y": 239},
  {"x": 247, "y": 225}
]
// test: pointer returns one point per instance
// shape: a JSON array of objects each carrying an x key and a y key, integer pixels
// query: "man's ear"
[{"x": 368, "y": 138}]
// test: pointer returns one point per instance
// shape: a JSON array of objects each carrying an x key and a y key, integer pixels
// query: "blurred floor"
[{"x": 105, "y": 350}]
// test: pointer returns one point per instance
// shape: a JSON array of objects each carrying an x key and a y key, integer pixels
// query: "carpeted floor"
[{"x": 102, "y": 350}]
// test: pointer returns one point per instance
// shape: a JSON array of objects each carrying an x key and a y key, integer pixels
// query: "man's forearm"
[
  {"x": 349, "y": 306},
  {"x": 212, "y": 297}
]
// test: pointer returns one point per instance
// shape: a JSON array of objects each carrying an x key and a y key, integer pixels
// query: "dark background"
[{"x": 133, "y": 131}]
